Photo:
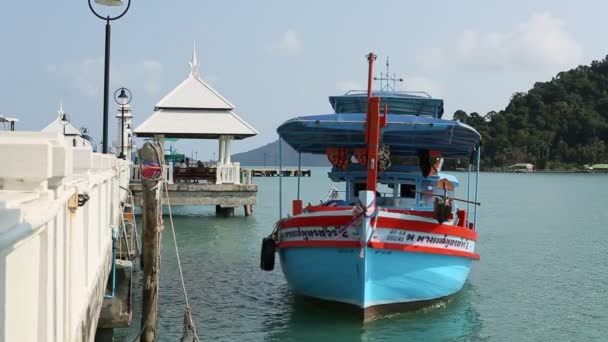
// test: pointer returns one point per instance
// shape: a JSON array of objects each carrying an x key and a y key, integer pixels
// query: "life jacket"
[
  {"x": 361, "y": 155},
  {"x": 338, "y": 156}
]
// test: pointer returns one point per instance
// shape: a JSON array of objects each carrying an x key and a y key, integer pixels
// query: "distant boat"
[{"x": 396, "y": 237}]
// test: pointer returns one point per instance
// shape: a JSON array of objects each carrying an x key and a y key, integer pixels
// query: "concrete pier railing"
[
  {"x": 224, "y": 174},
  {"x": 228, "y": 174},
  {"x": 57, "y": 206},
  {"x": 136, "y": 174}
]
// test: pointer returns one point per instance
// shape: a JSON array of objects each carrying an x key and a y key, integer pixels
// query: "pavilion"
[
  {"x": 194, "y": 110},
  {"x": 62, "y": 125}
]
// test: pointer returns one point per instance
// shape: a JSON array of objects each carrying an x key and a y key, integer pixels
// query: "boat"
[{"x": 396, "y": 237}]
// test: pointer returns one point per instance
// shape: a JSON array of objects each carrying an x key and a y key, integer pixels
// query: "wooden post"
[{"x": 152, "y": 190}]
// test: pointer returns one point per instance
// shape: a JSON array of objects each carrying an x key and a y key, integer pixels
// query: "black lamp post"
[
  {"x": 106, "y": 78},
  {"x": 122, "y": 99},
  {"x": 65, "y": 120}
]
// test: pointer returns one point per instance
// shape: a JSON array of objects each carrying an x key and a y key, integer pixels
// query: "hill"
[
  {"x": 267, "y": 155},
  {"x": 559, "y": 124}
]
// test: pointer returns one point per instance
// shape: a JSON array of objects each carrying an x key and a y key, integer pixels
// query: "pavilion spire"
[
  {"x": 60, "y": 111},
  {"x": 194, "y": 63}
]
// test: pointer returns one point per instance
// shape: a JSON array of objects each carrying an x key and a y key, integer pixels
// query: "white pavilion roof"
[
  {"x": 59, "y": 126},
  {"x": 194, "y": 93},
  {"x": 199, "y": 124},
  {"x": 194, "y": 110}
]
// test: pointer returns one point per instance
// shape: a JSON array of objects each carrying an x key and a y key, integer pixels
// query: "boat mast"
[
  {"x": 388, "y": 78},
  {"x": 372, "y": 131}
]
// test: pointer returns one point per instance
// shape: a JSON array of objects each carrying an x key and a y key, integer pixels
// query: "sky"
[{"x": 278, "y": 59}]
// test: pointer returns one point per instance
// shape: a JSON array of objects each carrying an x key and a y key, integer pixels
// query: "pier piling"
[{"x": 152, "y": 155}]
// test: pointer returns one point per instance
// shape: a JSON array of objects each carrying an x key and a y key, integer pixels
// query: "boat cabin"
[
  {"x": 398, "y": 189},
  {"x": 414, "y": 142}
]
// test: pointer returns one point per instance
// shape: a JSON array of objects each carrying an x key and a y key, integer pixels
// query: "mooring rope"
[{"x": 188, "y": 321}]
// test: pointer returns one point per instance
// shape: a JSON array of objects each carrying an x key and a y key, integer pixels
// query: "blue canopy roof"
[
  {"x": 399, "y": 102},
  {"x": 404, "y": 134}
]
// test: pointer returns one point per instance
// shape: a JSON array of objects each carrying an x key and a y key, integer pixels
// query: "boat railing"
[{"x": 400, "y": 92}]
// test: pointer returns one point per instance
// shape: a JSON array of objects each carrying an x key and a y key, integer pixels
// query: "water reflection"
[{"x": 305, "y": 320}]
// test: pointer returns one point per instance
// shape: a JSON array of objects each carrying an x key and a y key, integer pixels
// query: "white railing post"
[
  {"x": 169, "y": 174},
  {"x": 237, "y": 173},
  {"x": 135, "y": 174},
  {"x": 228, "y": 174}
]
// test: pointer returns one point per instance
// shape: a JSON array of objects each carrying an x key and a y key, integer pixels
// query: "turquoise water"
[{"x": 543, "y": 273}]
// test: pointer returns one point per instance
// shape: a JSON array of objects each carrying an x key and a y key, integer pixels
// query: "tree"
[{"x": 559, "y": 123}]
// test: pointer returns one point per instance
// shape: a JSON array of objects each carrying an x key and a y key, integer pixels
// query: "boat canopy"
[
  {"x": 405, "y": 135},
  {"x": 399, "y": 102}
]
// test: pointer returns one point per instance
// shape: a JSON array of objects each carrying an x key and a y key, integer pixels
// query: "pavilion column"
[
  {"x": 228, "y": 142},
  {"x": 220, "y": 158}
]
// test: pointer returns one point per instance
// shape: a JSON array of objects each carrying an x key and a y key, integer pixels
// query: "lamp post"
[
  {"x": 106, "y": 78},
  {"x": 65, "y": 120},
  {"x": 122, "y": 99}
]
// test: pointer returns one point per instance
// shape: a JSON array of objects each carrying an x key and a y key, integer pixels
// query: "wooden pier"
[{"x": 274, "y": 172}]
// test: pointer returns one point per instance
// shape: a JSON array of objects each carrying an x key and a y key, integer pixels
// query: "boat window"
[
  {"x": 358, "y": 187},
  {"x": 408, "y": 190}
]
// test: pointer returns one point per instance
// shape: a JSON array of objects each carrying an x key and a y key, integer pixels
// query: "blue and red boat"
[{"x": 396, "y": 237}]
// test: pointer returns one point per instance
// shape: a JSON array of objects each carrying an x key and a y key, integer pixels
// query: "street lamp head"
[
  {"x": 65, "y": 119},
  {"x": 109, "y": 2},
  {"x": 122, "y": 96}
]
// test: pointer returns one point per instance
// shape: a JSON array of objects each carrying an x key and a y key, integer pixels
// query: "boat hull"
[
  {"x": 380, "y": 282},
  {"x": 404, "y": 263}
]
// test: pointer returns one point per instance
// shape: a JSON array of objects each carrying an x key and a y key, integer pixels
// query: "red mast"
[{"x": 372, "y": 131}]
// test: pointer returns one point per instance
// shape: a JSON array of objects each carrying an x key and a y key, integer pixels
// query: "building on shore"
[
  {"x": 522, "y": 167},
  {"x": 599, "y": 168},
  {"x": 63, "y": 126}
]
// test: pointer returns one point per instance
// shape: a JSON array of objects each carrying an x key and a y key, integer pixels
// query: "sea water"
[{"x": 543, "y": 273}]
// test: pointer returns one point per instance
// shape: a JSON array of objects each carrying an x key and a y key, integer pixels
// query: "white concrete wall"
[{"x": 54, "y": 257}]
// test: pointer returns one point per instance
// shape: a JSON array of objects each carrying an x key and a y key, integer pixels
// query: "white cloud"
[
  {"x": 288, "y": 44},
  {"x": 87, "y": 76},
  {"x": 541, "y": 41}
]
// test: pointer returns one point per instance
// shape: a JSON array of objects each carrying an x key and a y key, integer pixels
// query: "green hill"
[{"x": 558, "y": 124}]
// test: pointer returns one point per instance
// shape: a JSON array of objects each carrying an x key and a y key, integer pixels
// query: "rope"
[
  {"x": 188, "y": 321},
  {"x": 359, "y": 211}
]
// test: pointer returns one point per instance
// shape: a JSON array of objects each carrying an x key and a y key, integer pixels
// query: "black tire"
[{"x": 267, "y": 254}]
